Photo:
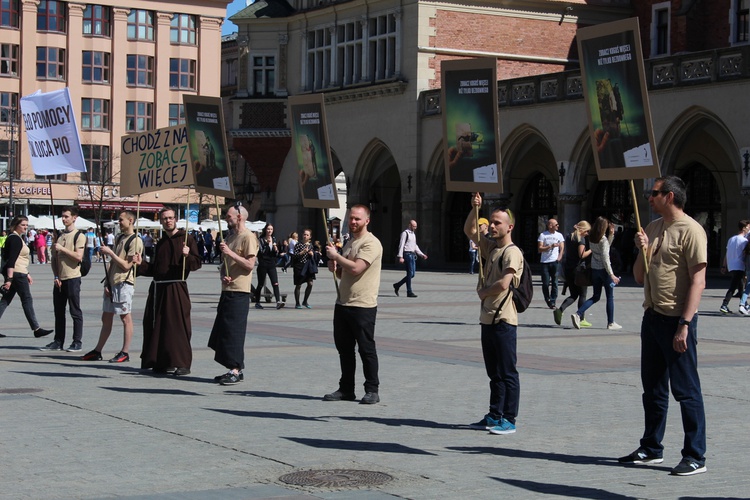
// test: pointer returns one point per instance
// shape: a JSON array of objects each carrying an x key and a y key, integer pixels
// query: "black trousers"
[
  {"x": 355, "y": 327},
  {"x": 68, "y": 294}
]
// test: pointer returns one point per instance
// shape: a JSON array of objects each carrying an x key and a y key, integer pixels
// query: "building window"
[
  {"x": 182, "y": 74},
  {"x": 8, "y": 107},
  {"x": 382, "y": 37},
  {"x": 8, "y": 59},
  {"x": 742, "y": 22},
  {"x": 349, "y": 48},
  {"x": 9, "y": 13},
  {"x": 182, "y": 29},
  {"x": 94, "y": 114},
  {"x": 95, "y": 66},
  {"x": 140, "y": 70},
  {"x": 97, "y": 162},
  {"x": 264, "y": 75},
  {"x": 660, "y": 27},
  {"x": 97, "y": 20},
  {"x": 140, "y": 25},
  {"x": 8, "y": 159},
  {"x": 50, "y": 16},
  {"x": 138, "y": 116},
  {"x": 176, "y": 115},
  {"x": 364, "y": 51},
  {"x": 50, "y": 63}
]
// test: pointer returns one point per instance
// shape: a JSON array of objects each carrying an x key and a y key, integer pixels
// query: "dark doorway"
[
  {"x": 704, "y": 205},
  {"x": 538, "y": 205}
]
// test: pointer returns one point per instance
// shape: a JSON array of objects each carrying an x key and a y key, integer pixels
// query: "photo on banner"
[
  {"x": 52, "y": 133},
  {"x": 614, "y": 88},
  {"x": 470, "y": 126},
  {"x": 208, "y": 145},
  {"x": 155, "y": 160},
  {"x": 312, "y": 151}
]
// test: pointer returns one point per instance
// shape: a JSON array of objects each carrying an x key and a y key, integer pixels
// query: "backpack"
[
  {"x": 86, "y": 261},
  {"x": 523, "y": 293}
]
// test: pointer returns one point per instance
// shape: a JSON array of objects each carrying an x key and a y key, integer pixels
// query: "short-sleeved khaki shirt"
[
  {"x": 68, "y": 267},
  {"x": 494, "y": 271},
  {"x": 674, "y": 248},
  {"x": 244, "y": 244},
  {"x": 362, "y": 290},
  {"x": 116, "y": 273}
]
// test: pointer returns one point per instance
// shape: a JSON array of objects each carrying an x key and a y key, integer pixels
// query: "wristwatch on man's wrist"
[{"x": 683, "y": 321}]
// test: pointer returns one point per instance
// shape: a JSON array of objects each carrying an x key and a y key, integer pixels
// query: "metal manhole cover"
[
  {"x": 336, "y": 478},
  {"x": 19, "y": 391}
]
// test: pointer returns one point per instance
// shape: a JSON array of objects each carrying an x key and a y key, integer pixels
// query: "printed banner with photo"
[
  {"x": 311, "y": 147},
  {"x": 470, "y": 126},
  {"x": 614, "y": 88},
  {"x": 208, "y": 145},
  {"x": 52, "y": 133},
  {"x": 155, "y": 160}
]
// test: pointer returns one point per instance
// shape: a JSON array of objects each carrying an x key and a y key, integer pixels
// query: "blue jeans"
[
  {"x": 472, "y": 260},
  {"x": 662, "y": 367},
  {"x": 499, "y": 351},
  {"x": 600, "y": 279},
  {"x": 410, "y": 263},
  {"x": 549, "y": 276}
]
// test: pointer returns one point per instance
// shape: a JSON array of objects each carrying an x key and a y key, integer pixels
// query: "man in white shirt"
[
  {"x": 408, "y": 250},
  {"x": 551, "y": 244},
  {"x": 734, "y": 264}
]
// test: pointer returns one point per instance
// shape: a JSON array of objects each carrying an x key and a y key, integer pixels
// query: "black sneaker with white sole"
[
  {"x": 688, "y": 467},
  {"x": 640, "y": 456}
]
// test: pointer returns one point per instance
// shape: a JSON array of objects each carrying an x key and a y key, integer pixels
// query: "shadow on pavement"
[
  {"x": 267, "y": 414},
  {"x": 265, "y": 394},
  {"x": 170, "y": 392},
  {"x": 337, "y": 444},
  {"x": 60, "y": 374},
  {"x": 564, "y": 490},
  {"x": 403, "y": 422}
]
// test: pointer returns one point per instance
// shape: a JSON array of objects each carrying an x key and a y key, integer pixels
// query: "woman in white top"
[{"x": 602, "y": 275}]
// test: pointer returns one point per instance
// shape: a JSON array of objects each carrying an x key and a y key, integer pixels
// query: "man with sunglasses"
[
  {"x": 674, "y": 276},
  {"x": 551, "y": 244}
]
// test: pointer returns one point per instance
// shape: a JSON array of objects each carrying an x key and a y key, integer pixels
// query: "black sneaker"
[
  {"x": 258, "y": 305},
  {"x": 640, "y": 456},
  {"x": 688, "y": 467},
  {"x": 75, "y": 347},
  {"x": 120, "y": 357},
  {"x": 218, "y": 378},
  {"x": 52, "y": 346},
  {"x": 92, "y": 356},
  {"x": 340, "y": 396},
  {"x": 395, "y": 289},
  {"x": 370, "y": 398},
  {"x": 42, "y": 332},
  {"x": 230, "y": 379}
]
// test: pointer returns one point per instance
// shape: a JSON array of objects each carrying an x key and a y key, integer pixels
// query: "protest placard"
[
  {"x": 155, "y": 160},
  {"x": 312, "y": 150},
  {"x": 614, "y": 87},
  {"x": 52, "y": 133},
  {"x": 470, "y": 126},
  {"x": 208, "y": 145}
]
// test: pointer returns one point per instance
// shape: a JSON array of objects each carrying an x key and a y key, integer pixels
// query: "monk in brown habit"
[{"x": 166, "y": 321}]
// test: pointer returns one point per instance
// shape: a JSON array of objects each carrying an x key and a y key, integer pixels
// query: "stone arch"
[{"x": 377, "y": 182}]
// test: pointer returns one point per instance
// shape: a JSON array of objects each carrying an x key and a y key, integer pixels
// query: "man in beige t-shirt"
[
  {"x": 498, "y": 316},
  {"x": 119, "y": 288},
  {"x": 358, "y": 265},
  {"x": 236, "y": 270},
  {"x": 67, "y": 254}
]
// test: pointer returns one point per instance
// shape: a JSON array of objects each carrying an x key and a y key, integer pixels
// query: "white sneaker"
[
  {"x": 576, "y": 320},
  {"x": 744, "y": 310},
  {"x": 613, "y": 326}
]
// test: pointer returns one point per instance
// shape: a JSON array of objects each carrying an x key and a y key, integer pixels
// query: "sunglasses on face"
[{"x": 657, "y": 192}]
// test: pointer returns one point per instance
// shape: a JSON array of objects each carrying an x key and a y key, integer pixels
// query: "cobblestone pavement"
[{"x": 74, "y": 429}]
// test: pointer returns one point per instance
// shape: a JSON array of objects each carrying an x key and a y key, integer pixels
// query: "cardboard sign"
[
  {"x": 208, "y": 145},
  {"x": 52, "y": 133},
  {"x": 614, "y": 87},
  {"x": 155, "y": 160},
  {"x": 470, "y": 126},
  {"x": 312, "y": 150}
]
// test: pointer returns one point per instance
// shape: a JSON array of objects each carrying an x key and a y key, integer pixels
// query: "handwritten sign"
[{"x": 155, "y": 160}]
